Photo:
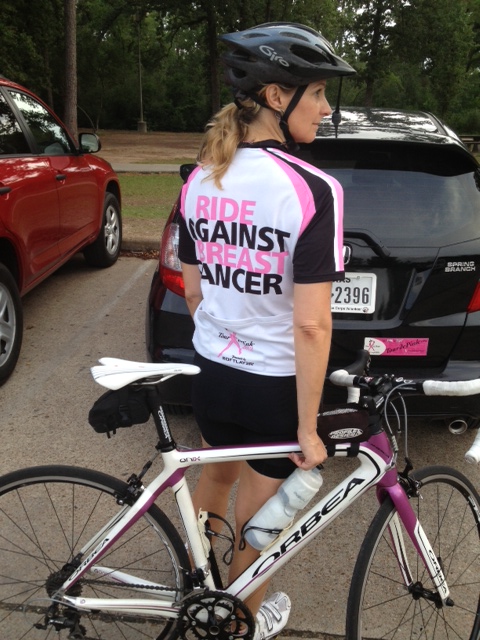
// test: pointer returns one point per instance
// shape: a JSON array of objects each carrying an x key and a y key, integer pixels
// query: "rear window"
[{"x": 407, "y": 196}]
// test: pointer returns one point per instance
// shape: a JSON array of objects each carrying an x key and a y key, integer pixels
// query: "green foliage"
[
  {"x": 160, "y": 59},
  {"x": 31, "y": 47}
]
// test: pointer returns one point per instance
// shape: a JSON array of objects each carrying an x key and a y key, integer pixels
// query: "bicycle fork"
[{"x": 405, "y": 515}]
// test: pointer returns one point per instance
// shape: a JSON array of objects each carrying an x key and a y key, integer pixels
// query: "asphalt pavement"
[{"x": 81, "y": 314}]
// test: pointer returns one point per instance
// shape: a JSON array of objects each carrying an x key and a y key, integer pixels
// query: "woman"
[{"x": 261, "y": 244}]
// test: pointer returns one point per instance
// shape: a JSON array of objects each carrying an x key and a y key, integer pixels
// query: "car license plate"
[{"x": 355, "y": 294}]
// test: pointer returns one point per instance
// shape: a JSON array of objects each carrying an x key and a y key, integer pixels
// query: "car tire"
[
  {"x": 11, "y": 324},
  {"x": 104, "y": 251}
]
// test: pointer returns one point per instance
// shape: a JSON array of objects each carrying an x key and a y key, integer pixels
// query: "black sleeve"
[
  {"x": 314, "y": 259},
  {"x": 186, "y": 245}
]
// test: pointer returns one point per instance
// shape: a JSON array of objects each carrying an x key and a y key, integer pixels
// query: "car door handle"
[
  {"x": 60, "y": 177},
  {"x": 4, "y": 190}
]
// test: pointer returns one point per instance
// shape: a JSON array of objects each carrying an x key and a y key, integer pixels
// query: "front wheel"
[
  {"x": 47, "y": 515},
  {"x": 381, "y": 606}
]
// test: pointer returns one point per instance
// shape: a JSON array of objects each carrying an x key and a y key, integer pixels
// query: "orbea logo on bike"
[
  {"x": 273, "y": 55},
  {"x": 355, "y": 484}
]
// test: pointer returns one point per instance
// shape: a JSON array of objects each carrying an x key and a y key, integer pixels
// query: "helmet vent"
[
  {"x": 314, "y": 56},
  {"x": 251, "y": 36},
  {"x": 296, "y": 36}
]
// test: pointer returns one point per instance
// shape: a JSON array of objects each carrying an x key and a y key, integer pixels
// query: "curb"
[{"x": 120, "y": 167}]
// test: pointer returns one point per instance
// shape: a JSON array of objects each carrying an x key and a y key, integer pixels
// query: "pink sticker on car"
[{"x": 396, "y": 346}]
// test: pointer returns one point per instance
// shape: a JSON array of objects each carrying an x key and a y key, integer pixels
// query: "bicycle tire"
[
  {"x": 46, "y": 515},
  {"x": 379, "y": 604}
]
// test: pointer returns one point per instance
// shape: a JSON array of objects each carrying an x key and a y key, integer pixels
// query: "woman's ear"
[{"x": 276, "y": 98}]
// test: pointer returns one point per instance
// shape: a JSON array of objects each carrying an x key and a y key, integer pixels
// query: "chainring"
[{"x": 214, "y": 615}]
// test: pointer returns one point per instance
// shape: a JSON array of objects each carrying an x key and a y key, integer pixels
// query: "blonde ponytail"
[{"x": 226, "y": 130}]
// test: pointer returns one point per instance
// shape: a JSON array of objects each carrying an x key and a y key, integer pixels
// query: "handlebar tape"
[{"x": 452, "y": 388}]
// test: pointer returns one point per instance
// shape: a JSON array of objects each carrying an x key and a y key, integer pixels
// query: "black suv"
[{"x": 412, "y": 253}]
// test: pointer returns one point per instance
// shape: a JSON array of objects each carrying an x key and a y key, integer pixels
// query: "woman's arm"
[
  {"x": 312, "y": 323},
  {"x": 193, "y": 290}
]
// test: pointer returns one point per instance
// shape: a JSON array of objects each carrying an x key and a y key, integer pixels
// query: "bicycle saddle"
[{"x": 114, "y": 373}]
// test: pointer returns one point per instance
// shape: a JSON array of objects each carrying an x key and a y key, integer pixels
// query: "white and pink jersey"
[{"x": 276, "y": 221}]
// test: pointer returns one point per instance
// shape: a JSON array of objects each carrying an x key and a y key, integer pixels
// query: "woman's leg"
[
  {"x": 213, "y": 489},
  {"x": 253, "y": 491}
]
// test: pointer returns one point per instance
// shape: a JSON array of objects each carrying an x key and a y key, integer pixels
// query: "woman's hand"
[{"x": 313, "y": 451}]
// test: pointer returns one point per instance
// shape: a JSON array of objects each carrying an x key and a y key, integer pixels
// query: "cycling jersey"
[{"x": 276, "y": 221}]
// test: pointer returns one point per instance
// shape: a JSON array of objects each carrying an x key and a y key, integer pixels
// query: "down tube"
[{"x": 292, "y": 540}]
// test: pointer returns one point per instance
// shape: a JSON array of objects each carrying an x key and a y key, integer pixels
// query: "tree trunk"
[
  {"x": 213, "y": 57},
  {"x": 70, "y": 115},
  {"x": 374, "y": 62}
]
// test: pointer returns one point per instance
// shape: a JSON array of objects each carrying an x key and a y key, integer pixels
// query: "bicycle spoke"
[
  {"x": 47, "y": 515},
  {"x": 381, "y": 606}
]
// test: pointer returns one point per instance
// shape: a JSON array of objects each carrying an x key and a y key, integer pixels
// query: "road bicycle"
[{"x": 86, "y": 556}]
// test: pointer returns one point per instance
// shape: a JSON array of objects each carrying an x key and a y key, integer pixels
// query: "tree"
[
  {"x": 408, "y": 53},
  {"x": 435, "y": 38},
  {"x": 70, "y": 116}
]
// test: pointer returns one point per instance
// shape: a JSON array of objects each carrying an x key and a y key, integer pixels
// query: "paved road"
[{"x": 81, "y": 314}]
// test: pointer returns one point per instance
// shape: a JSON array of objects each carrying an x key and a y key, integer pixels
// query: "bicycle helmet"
[{"x": 280, "y": 52}]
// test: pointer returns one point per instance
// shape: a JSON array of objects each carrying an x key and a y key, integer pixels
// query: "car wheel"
[
  {"x": 104, "y": 251},
  {"x": 11, "y": 323}
]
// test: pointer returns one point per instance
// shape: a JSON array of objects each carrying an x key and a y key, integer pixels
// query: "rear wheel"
[
  {"x": 381, "y": 606},
  {"x": 47, "y": 514},
  {"x": 11, "y": 323},
  {"x": 104, "y": 251}
]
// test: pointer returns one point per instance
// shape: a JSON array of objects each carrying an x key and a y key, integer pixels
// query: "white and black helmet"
[{"x": 280, "y": 52}]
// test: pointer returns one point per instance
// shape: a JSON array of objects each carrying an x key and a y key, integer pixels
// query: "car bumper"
[{"x": 169, "y": 329}]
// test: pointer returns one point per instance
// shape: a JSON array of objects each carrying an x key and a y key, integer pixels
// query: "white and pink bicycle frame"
[{"x": 376, "y": 469}]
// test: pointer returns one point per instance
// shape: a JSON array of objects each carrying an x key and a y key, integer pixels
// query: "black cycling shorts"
[{"x": 235, "y": 407}]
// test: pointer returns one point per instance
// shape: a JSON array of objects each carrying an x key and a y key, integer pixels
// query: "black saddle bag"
[{"x": 119, "y": 409}]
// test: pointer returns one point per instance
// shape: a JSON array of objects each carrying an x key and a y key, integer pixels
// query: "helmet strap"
[
  {"x": 283, "y": 122},
  {"x": 240, "y": 96},
  {"x": 282, "y": 117},
  {"x": 336, "y": 115}
]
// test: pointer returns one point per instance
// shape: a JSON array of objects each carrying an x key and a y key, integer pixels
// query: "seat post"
[{"x": 166, "y": 441}]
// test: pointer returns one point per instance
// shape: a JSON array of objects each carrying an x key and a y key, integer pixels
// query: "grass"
[
  {"x": 147, "y": 196},
  {"x": 150, "y": 196}
]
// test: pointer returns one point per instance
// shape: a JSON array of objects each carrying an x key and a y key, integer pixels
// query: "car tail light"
[
  {"x": 474, "y": 304},
  {"x": 170, "y": 267}
]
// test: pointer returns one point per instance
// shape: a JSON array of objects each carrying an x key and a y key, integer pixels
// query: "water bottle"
[{"x": 279, "y": 510}]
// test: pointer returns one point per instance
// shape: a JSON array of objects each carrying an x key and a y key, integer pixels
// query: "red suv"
[{"x": 55, "y": 199}]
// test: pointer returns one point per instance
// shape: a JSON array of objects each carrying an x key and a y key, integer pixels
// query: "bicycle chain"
[{"x": 147, "y": 587}]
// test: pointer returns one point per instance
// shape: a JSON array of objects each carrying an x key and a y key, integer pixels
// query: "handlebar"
[
  {"x": 352, "y": 377},
  {"x": 343, "y": 378}
]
